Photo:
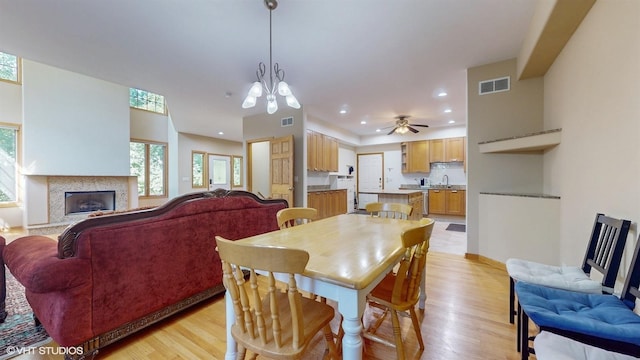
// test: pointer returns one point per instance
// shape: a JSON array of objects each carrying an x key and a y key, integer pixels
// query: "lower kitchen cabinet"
[
  {"x": 328, "y": 203},
  {"x": 447, "y": 201}
]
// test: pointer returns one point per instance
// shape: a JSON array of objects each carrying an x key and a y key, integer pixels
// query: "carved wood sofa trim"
[{"x": 67, "y": 241}]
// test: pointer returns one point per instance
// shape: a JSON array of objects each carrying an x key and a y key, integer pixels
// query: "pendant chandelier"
[{"x": 275, "y": 81}]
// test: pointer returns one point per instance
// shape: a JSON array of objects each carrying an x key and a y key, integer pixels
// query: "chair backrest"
[
  {"x": 295, "y": 216},
  {"x": 605, "y": 249},
  {"x": 247, "y": 302},
  {"x": 389, "y": 210},
  {"x": 631, "y": 289},
  {"x": 406, "y": 288}
]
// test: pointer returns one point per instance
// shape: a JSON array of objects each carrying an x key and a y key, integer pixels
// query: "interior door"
[
  {"x": 370, "y": 172},
  {"x": 281, "y": 171},
  {"x": 219, "y": 172}
]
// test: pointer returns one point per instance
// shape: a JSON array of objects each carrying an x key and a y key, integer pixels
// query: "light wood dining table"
[{"x": 349, "y": 255}]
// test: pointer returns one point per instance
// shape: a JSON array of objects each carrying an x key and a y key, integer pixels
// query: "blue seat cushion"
[{"x": 595, "y": 315}]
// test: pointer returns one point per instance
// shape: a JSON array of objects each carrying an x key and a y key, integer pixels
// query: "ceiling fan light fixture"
[{"x": 274, "y": 81}]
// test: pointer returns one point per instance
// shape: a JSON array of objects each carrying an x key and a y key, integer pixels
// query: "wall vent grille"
[
  {"x": 288, "y": 121},
  {"x": 494, "y": 85}
]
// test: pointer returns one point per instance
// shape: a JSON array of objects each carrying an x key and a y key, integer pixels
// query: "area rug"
[
  {"x": 457, "y": 227},
  {"x": 18, "y": 331}
]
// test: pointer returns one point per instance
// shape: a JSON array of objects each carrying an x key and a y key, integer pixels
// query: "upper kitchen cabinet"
[
  {"x": 415, "y": 156},
  {"x": 322, "y": 152},
  {"x": 446, "y": 150}
]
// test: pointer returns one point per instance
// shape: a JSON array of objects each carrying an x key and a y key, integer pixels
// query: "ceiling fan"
[{"x": 402, "y": 125}]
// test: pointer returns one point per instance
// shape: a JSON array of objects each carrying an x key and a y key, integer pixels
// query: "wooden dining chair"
[
  {"x": 399, "y": 291},
  {"x": 295, "y": 216},
  {"x": 389, "y": 210},
  {"x": 274, "y": 323}
]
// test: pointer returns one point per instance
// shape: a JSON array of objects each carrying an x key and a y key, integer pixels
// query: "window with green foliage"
[
  {"x": 9, "y": 67},
  {"x": 141, "y": 99},
  {"x": 8, "y": 164},
  {"x": 149, "y": 164}
]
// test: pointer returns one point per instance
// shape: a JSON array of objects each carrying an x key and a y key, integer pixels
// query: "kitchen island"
[{"x": 411, "y": 197}]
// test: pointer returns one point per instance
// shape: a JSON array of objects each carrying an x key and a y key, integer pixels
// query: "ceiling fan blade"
[
  {"x": 412, "y": 129},
  {"x": 419, "y": 125},
  {"x": 392, "y": 131}
]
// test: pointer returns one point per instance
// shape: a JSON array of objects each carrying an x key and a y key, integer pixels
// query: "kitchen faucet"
[{"x": 446, "y": 177}]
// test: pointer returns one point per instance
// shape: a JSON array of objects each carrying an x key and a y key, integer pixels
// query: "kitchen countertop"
[
  {"x": 434, "y": 187},
  {"x": 393, "y": 191}
]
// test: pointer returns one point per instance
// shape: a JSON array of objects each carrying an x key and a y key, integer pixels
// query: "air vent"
[
  {"x": 494, "y": 85},
  {"x": 288, "y": 121}
]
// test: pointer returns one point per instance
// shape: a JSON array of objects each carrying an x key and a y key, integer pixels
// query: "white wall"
[
  {"x": 592, "y": 92},
  {"x": 190, "y": 142},
  {"x": 73, "y": 124},
  {"x": 496, "y": 116}
]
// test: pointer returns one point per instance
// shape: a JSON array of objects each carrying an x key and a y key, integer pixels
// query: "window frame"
[
  {"x": 18, "y": 181},
  {"x": 203, "y": 175},
  {"x": 147, "y": 172},
  {"x": 164, "y": 100},
  {"x": 18, "y": 71}
]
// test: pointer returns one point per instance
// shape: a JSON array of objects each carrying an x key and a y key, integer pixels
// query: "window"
[
  {"x": 149, "y": 164},
  {"x": 8, "y": 164},
  {"x": 145, "y": 100},
  {"x": 197, "y": 169},
  {"x": 9, "y": 67}
]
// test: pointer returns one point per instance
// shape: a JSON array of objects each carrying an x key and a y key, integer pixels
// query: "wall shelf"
[{"x": 529, "y": 143}]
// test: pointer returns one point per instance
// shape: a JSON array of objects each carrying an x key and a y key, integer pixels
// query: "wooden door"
[
  {"x": 281, "y": 171},
  {"x": 419, "y": 156},
  {"x": 311, "y": 151},
  {"x": 456, "y": 202},
  {"x": 437, "y": 202},
  {"x": 454, "y": 149},
  {"x": 436, "y": 150}
]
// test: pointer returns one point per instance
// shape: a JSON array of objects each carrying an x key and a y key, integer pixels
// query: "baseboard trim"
[{"x": 485, "y": 260}]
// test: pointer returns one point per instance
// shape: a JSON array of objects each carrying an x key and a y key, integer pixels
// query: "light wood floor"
[{"x": 466, "y": 317}]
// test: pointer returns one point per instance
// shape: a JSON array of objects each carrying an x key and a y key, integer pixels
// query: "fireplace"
[{"x": 76, "y": 202}]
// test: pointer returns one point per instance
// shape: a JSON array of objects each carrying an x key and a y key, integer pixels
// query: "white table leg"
[
  {"x": 351, "y": 305},
  {"x": 232, "y": 347},
  {"x": 352, "y": 340}
]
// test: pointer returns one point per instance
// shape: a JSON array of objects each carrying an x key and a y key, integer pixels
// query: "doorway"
[
  {"x": 219, "y": 172},
  {"x": 370, "y": 172}
]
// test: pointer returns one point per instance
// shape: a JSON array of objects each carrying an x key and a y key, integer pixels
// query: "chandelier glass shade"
[{"x": 274, "y": 83}]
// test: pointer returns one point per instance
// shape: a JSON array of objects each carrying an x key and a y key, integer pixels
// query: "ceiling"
[{"x": 376, "y": 58}]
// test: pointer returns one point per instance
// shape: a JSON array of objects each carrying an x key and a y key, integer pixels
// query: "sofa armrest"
[{"x": 34, "y": 262}]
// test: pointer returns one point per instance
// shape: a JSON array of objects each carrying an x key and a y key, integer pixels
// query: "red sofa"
[{"x": 109, "y": 276}]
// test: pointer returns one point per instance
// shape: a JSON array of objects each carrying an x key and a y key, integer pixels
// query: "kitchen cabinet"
[
  {"x": 328, "y": 203},
  {"x": 322, "y": 152},
  {"x": 455, "y": 202},
  {"x": 454, "y": 149},
  {"x": 447, "y": 201},
  {"x": 446, "y": 150},
  {"x": 415, "y": 156}
]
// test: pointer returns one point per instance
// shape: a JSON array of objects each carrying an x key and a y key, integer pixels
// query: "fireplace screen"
[{"x": 85, "y": 201}]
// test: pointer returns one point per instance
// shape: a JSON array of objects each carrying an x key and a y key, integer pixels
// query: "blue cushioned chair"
[{"x": 601, "y": 320}]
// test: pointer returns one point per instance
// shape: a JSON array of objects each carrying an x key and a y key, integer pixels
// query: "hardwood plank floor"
[{"x": 466, "y": 317}]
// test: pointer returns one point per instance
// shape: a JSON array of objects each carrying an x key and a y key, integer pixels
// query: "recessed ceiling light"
[
  {"x": 363, "y": 122},
  {"x": 220, "y": 133},
  {"x": 343, "y": 111},
  {"x": 447, "y": 110},
  {"x": 378, "y": 130},
  {"x": 452, "y": 121},
  {"x": 442, "y": 93}
]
